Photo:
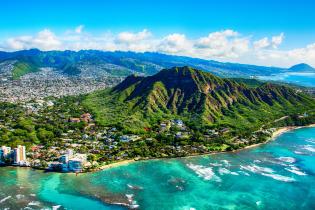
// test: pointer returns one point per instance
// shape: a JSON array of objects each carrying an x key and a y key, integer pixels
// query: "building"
[
  {"x": 125, "y": 138},
  {"x": 75, "y": 120},
  {"x": 19, "y": 155},
  {"x": 70, "y": 162},
  {"x": 69, "y": 152},
  {"x": 178, "y": 123},
  {"x": 64, "y": 159},
  {"x": 75, "y": 165},
  {"x": 5, "y": 152},
  {"x": 86, "y": 117}
]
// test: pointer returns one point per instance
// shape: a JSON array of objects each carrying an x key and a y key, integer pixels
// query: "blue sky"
[{"x": 252, "y": 20}]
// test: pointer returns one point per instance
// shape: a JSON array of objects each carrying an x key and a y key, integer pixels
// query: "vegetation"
[
  {"x": 177, "y": 112},
  {"x": 126, "y": 63},
  {"x": 200, "y": 99},
  {"x": 22, "y": 68}
]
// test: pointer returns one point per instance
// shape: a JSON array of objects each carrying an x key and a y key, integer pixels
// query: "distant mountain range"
[
  {"x": 302, "y": 67},
  {"x": 197, "y": 97},
  {"x": 92, "y": 63}
]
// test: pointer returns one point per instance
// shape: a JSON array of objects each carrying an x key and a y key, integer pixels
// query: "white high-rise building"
[{"x": 19, "y": 154}]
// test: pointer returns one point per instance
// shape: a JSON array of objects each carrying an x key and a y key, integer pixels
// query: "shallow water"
[
  {"x": 277, "y": 175},
  {"x": 304, "y": 79}
]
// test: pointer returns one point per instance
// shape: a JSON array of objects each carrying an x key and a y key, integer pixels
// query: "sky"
[{"x": 270, "y": 33}]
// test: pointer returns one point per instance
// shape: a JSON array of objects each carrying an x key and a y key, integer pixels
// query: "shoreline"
[
  {"x": 275, "y": 134},
  {"x": 279, "y": 131}
]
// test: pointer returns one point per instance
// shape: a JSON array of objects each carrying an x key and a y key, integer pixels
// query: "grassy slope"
[
  {"x": 22, "y": 68},
  {"x": 146, "y": 110}
]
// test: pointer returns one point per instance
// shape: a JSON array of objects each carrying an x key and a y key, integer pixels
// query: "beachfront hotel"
[{"x": 19, "y": 155}]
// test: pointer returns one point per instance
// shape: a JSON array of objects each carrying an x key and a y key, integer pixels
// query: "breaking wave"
[
  {"x": 287, "y": 159},
  {"x": 204, "y": 172},
  {"x": 223, "y": 171},
  {"x": 268, "y": 172},
  {"x": 309, "y": 148},
  {"x": 296, "y": 170}
]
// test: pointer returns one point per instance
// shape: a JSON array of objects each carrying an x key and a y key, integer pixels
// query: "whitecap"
[
  {"x": 245, "y": 173},
  {"x": 226, "y": 162},
  {"x": 34, "y": 203},
  {"x": 279, "y": 177},
  {"x": 312, "y": 141},
  {"x": 298, "y": 152},
  {"x": 234, "y": 173},
  {"x": 223, "y": 171},
  {"x": 134, "y": 206},
  {"x": 19, "y": 196},
  {"x": 256, "y": 169},
  {"x": 129, "y": 197},
  {"x": 258, "y": 203},
  {"x": 56, "y": 207},
  {"x": 309, "y": 148},
  {"x": 266, "y": 172},
  {"x": 4, "y": 199},
  {"x": 134, "y": 187},
  {"x": 287, "y": 159},
  {"x": 215, "y": 164},
  {"x": 204, "y": 172},
  {"x": 296, "y": 170}
]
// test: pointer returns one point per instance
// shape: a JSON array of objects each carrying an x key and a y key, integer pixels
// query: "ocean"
[
  {"x": 303, "y": 79},
  {"x": 276, "y": 175}
]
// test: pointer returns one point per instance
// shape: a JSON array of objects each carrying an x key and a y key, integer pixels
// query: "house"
[
  {"x": 178, "y": 123},
  {"x": 178, "y": 135},
  {"x": 75, "y": 120},
  {"x": 125, "y": 138},
  {"x": 224, "y": 130},
  {"x": 86, "y": 117}
]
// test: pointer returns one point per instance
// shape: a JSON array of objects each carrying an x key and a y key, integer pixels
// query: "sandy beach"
[
  {"x": 282, "y": 130},
  {"x": 275, "y": 134},
  {"x": 116, "y": 164}
]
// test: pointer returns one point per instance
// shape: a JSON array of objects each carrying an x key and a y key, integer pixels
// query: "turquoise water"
[
  {"x": 277, "y": 175},
  {"x": 304, "y": 79}
]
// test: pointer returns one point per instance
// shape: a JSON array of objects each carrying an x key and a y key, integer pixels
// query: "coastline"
[
  {"x": 276, "y": 133},
  {"x": 282, "y": 130},
  {"x": 279, "y": 131},
  {"x": 115, "y": 164}
]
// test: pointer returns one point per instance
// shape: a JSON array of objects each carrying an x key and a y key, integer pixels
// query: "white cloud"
[
  {"x": 226, "y": 45},
  {"x": 45, "y": 40},
  {"x": 175, "y": 44},
  {"x": 277, "y": 40},
  {"x": 222, "y": 44},
  {"x": 129, "y": 37},
  {"x": 79, "y": 29},
  {"x": 262, "y": 43}
]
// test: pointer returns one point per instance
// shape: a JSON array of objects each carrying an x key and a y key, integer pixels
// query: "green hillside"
[
  {"x": 200, "y": 99},
  {"x": 21, "y": 68}
]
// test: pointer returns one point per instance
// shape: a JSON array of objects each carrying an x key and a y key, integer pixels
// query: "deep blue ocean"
[{"x": 276, "y": 175}]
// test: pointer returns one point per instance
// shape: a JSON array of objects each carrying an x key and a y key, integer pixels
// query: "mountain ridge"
[
  {"x": 302, "y": 67},
  {"x": 121, "y": 63},
  {"x": 194, "y": 96}
]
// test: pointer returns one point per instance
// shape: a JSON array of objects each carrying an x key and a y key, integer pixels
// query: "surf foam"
[{"x": 204, "y": 172}]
